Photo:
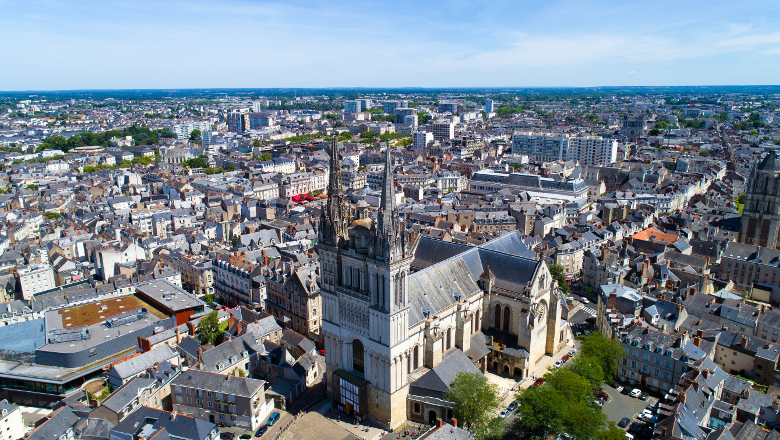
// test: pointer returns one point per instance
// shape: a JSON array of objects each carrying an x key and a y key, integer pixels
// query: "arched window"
[
  {"x": 416, "y": 408},
  {"x": 416, "y": 357},
  {"x": 408, "y": 365},
  {"x": 477, "y": 325},
  {"x": 507, "y": 312},
  {"x": 497, "y": 318},
  {"x": 357, "y": 356}
]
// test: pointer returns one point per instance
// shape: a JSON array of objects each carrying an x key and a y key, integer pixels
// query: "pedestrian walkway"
[{"x": 364, "y": 430}]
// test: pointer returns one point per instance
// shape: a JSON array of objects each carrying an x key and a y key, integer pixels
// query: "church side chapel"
[{"x": 402, "y": 315}]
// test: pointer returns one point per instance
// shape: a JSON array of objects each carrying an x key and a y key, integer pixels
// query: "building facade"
[{"x": 760, "y": 223}]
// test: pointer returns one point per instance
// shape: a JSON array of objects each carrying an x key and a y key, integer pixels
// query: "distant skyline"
[{"x": 57, "y": 45}]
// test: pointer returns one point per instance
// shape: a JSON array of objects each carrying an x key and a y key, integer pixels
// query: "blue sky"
[{"x": 84, "y": 44}]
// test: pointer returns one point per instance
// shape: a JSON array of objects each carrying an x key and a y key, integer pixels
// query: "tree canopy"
[
  {"x": 195, "y": 134},
  {"x": 208, "y": 330},
  {"x": 476, "y": 403},
  {"x": 603, "y": 350},
  {"x": 556, "y": 271}
]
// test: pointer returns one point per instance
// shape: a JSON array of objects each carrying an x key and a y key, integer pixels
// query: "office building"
[
  {"x": 489, "y": 106},
  {"x": 365, "y": 104},
  {"x": 448, "y": 107},
  {"x": 237, "y": 121},
  {"x": 390, "y": 107}
]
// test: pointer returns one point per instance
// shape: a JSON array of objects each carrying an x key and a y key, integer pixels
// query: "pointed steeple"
[
  {"x": 389, "y": 241},
  {"x": 334, "y": 220}
]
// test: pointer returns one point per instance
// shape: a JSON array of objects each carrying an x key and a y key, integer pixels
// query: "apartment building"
[
  {"x": 443, "y": 130},
  {"x": 292, "y": 292},
  {"x": 353, "y": 179},
  {"x": 352, "y": 107},
  {"x": 35, "y": 278},
  {"x": 302, "y": 183},
  {"x": 654, "y": 359},
  {"x": 540, "y": 147},
  {"x": 592, "y": 150},
  {"x": 234, "y": 280},
  {"x": 753, "y": 269},
  {"x": 237, "y": 121},
  {"x": 231, "y": 400},
  {"x": 421, "y": 139},
  {"x": 11, "y": 421},
  {"x": 197, "y": 275}
]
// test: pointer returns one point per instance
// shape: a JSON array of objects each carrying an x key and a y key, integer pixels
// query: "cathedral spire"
[
  {"x": 387, "y": 203},
  {"x": 334, "y": 220}
]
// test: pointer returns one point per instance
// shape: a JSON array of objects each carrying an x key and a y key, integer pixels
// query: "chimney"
[
  {"x": 681, "y": 398},
  {"x": 705, "y": 373},
  {"x": 612, "y": 299},
  {"x": 200, "y": 352},
  {"x": 173, "y": 415},
  {"x": 178, "y": 336},
  {"x": 697, "y": 341},
  {"x": 265, "y": 258},
  {"x": 438, "y": 422},
  {"x": 454, "y": 421},
  {"x": 776, "y": 405},
  {"x": 744, "y": 341},
  {"x": 93, "y": 403}
]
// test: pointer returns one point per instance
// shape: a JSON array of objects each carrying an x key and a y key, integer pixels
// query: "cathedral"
[
  {"x": 402, "y": 315},
  {"x": 760, "y": 224}
]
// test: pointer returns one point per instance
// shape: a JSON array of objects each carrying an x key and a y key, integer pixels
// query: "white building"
[
  {"x": 184, "y": 130},
  {"x": 35, "y": 278},
  {"x": 443, "y": 130},
  {"x": 351, "y": 106},
  {"x": 592, "y": 150},
  {"x": 11, "y": 421},
  {"x": 421, "y": 139}
]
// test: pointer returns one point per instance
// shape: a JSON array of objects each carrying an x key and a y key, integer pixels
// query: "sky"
[{"x": 140, "y": 44}]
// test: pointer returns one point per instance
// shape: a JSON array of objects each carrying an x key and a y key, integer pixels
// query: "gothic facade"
[
  {"x": 393, "y": 311},
  {"x": 760, "y": 224}
]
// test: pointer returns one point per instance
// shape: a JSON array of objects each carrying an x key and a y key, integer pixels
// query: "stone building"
[
  {"x": 760, "y": 223},
  {"x": 384, "y": 326}
]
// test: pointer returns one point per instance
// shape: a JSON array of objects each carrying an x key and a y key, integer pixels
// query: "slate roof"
[
  {"x": 438, "y": 380},
  {"x": 127, "y": 393},
  {"x": 143, "y": 361},
  {"x": 151, "y": 420},
  {"x": 234, "y": 385}
]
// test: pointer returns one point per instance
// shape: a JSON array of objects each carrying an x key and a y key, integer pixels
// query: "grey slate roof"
[
  {"x": 438, "y": 379},
  {"x": 142, "y": 362},
  {"x": 234, "y": 385},
  {"x": 151, "y": 420}
]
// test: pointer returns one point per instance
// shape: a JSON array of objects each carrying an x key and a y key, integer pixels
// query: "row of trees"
[{"x": 142, "y": 135}]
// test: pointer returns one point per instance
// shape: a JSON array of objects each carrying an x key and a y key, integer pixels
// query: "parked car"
[
  {"x": 643, "y": 396},
  {"x": 636, "y": 392},
  {"x": 625, "y": 391},
  {"x": 261, "y": 431},
  {"x": 512, "y": 406},
  {"x": 504, "y": 413},
  {"x": 558, "y": 364},
  {"x": 273, "y": 418},
  {"x": 624, "y": 422},
  {"x": 618, "y": 388},
  {"x": 585, "y": 300},
  {"x": 587, "y": 332},
  {"x": 538, "y": 382},
  {"x": 227, "y": 435},
  {"x": 572, "y": 352},
  {"x": 245, "y": 436}
]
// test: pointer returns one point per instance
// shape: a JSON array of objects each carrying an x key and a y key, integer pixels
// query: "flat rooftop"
[
  {"x": 99, "y": 311},
  {"x": 26, "y": 336},
  {"x": 169, "y": 295}
]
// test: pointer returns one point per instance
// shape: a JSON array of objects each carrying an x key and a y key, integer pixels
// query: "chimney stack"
[
  {"x": 744, "y": 341},
  {"x": 454, "y": 421},
  {"x": 438, "y": 422}
]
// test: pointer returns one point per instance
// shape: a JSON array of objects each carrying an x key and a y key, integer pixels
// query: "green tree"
[
  {"x": 208, "y": 331},
  {"x": 32, "y": 187},
  {"x": 208, "y": 298},
  {"x": 230, "y": 167},
  {"x": 53, "y": 215},
  {"x": 198, "y": 162},
  {"x": 612, "y": 432},
  {"x": 607, "y": 351},
  {"x": 541, "y": 411},
  {"x": 704, "y": 153},
  {"x": 195, "y": 134},
  {"x": 266, "y": 157},
  {"x": 476, "y": 403},
  {"x": 234, "y": 242},
  {"x": 556, "y": 271},
  {"x": 589, "y": 368}
]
